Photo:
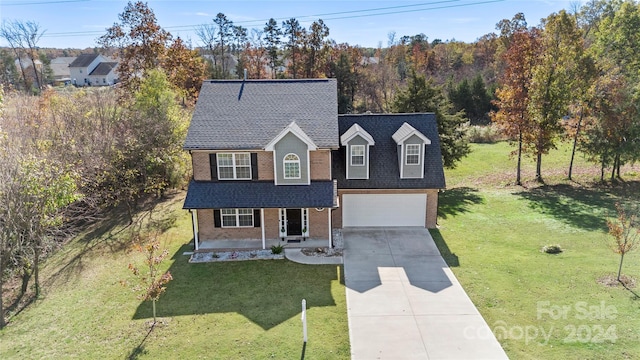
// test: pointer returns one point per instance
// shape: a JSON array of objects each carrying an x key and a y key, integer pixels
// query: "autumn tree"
[
  {"x": 185, "y": 69},
  {"x": 315, "y": 46},
  {"x": 625, "y": 231},
  {"x": 552, "y": 81},
  {"x": 272, "y": 34},
  {"x": 148, "y": 157},
  {"x": 513, "y": 98},
  {"x": 139, "y": 41},
  {"x": 344, "y": 67},
  {"x": 421, "y": 95},
  {"x": 23, "y": 38},
  {"x": 224, "y": 35},
  {"x": 294, "y": 32},
  {"x": 152, "y": 279},
  {"x": 207, "y": 35},
  {"x": 617, "y": 57},
  {"x": 254, "y": 55}
]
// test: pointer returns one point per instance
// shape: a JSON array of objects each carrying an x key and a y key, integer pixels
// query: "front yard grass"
[
  {"x": 541, "y": 306},
  {"x": 233, "y": 310}
]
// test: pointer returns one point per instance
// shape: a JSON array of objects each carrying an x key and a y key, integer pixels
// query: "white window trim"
[
  {"x": 284, "y": 167},
  {"x": 237, "y": 218},
  {"x": 406, "y": 154},
  {"x": 234, "y": 166},
  {"x": 364, "y": 154}
]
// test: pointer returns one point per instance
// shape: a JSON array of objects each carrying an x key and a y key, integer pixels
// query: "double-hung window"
[
  {"x": 413, "y": 154},
  {"x": 237, "y": 217},
  {"x": 291, "y": 166},
  {"x": 234, "y": 166},
  {"x": 357, "y": 155}
]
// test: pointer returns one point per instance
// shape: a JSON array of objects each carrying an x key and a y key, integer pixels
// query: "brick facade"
[
  {"x": 265, "y": 165},
  {"x": 320, "y": 164},
  {"x": 318, "y": 226},
  {"x": 201, "y": 166}
]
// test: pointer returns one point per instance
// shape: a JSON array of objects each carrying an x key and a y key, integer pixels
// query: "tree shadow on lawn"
[
  {"x": 457, "y": 201},
  {"x": 450, "y": 258},
  {"x": 584, "y": 208},
  {"x": 267, "y": 292}
]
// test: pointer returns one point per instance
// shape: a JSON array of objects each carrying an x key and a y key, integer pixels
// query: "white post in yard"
[
  {"x": 330, "y": 229},
  {"x": 264, "y": 245},
  {"x": 304, "y": 320}
]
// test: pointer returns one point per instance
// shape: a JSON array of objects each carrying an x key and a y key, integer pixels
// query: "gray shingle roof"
[
  {"x": 237, "y": 114},
  {"x": 257, "y": 194},
  {"x": 104, "y": 68},
  {"x": 83, "y": 60},
  {"x": 384, "y": 171}
]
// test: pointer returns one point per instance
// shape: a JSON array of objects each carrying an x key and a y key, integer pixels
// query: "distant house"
[
  {"x": 93, "y": 70},
  {"x": 60, "y": 68},
  {"x": 27, "y": 63}
]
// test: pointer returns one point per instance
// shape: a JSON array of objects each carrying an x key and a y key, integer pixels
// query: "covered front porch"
[{"x": 258, "y": 215}]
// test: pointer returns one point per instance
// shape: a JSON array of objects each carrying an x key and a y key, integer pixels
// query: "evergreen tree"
[{"x": 421, "y": 95}]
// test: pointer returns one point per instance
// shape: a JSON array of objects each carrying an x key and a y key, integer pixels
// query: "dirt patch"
[{"x": 612, "y": 281}]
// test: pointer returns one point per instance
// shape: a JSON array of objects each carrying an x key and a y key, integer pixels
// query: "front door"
[{"x": 294, "y": 222}]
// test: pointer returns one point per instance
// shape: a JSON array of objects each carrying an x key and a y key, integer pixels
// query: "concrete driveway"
[{"x": 404, "y": 302}]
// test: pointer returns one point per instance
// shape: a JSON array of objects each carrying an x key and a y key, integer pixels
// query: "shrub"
[
  {"x": 552, "y": 249},
  {"x": 277, "y": 249},
  {"x": 487, "y": 134}
]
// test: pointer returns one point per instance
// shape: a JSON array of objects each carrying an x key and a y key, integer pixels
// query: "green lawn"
[
  {"x": 541, "y": 306},
  {"x": 240, "y": 310}
]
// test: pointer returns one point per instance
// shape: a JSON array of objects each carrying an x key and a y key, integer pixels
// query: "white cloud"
[{"x": 464, "y": 20}]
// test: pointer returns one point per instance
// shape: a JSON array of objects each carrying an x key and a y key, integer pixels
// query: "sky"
[{"x": 78, "y": 23}]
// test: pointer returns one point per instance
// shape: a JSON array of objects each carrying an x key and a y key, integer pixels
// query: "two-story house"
[
  {"x": 93, "y": 70},
  {"x": 273, "y": 160}
]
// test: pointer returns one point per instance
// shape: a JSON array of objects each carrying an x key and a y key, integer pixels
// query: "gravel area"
[
  {"x": 238, "y": 255},
  {"x": 338, "y": 245}
]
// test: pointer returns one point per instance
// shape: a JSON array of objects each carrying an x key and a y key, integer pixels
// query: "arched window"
[{"x": 291, "y": 166}]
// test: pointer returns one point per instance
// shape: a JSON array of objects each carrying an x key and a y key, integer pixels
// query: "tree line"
[{"x": 574, "y": 76}]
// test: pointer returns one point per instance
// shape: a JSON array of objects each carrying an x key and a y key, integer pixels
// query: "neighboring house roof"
[
  {"x": 258, "y": 194},
  {"x": 104, "y": 68},
  {"x": 63, "y": 60},
  {"x": 83, "y": 60},
  {"x": 248, "y": 114},
  {"x": 26, "y": 62},
  {"x": 60, "y": 66},
  {"x": 383, "y": 156}
]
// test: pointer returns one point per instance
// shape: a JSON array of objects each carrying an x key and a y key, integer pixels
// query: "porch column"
[
  {"x": 194, "y": 222},
  {"x": 264, "y": 245},
  {"x": 330, "y": 229}
]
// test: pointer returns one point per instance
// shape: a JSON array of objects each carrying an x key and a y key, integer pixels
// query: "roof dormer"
[
  {"x": 411, "y": 150},
  {"x": 357, "y": 140}
]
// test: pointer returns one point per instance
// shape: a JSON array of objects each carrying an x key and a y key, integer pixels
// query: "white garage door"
[{"x": 384, "y": 209}]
